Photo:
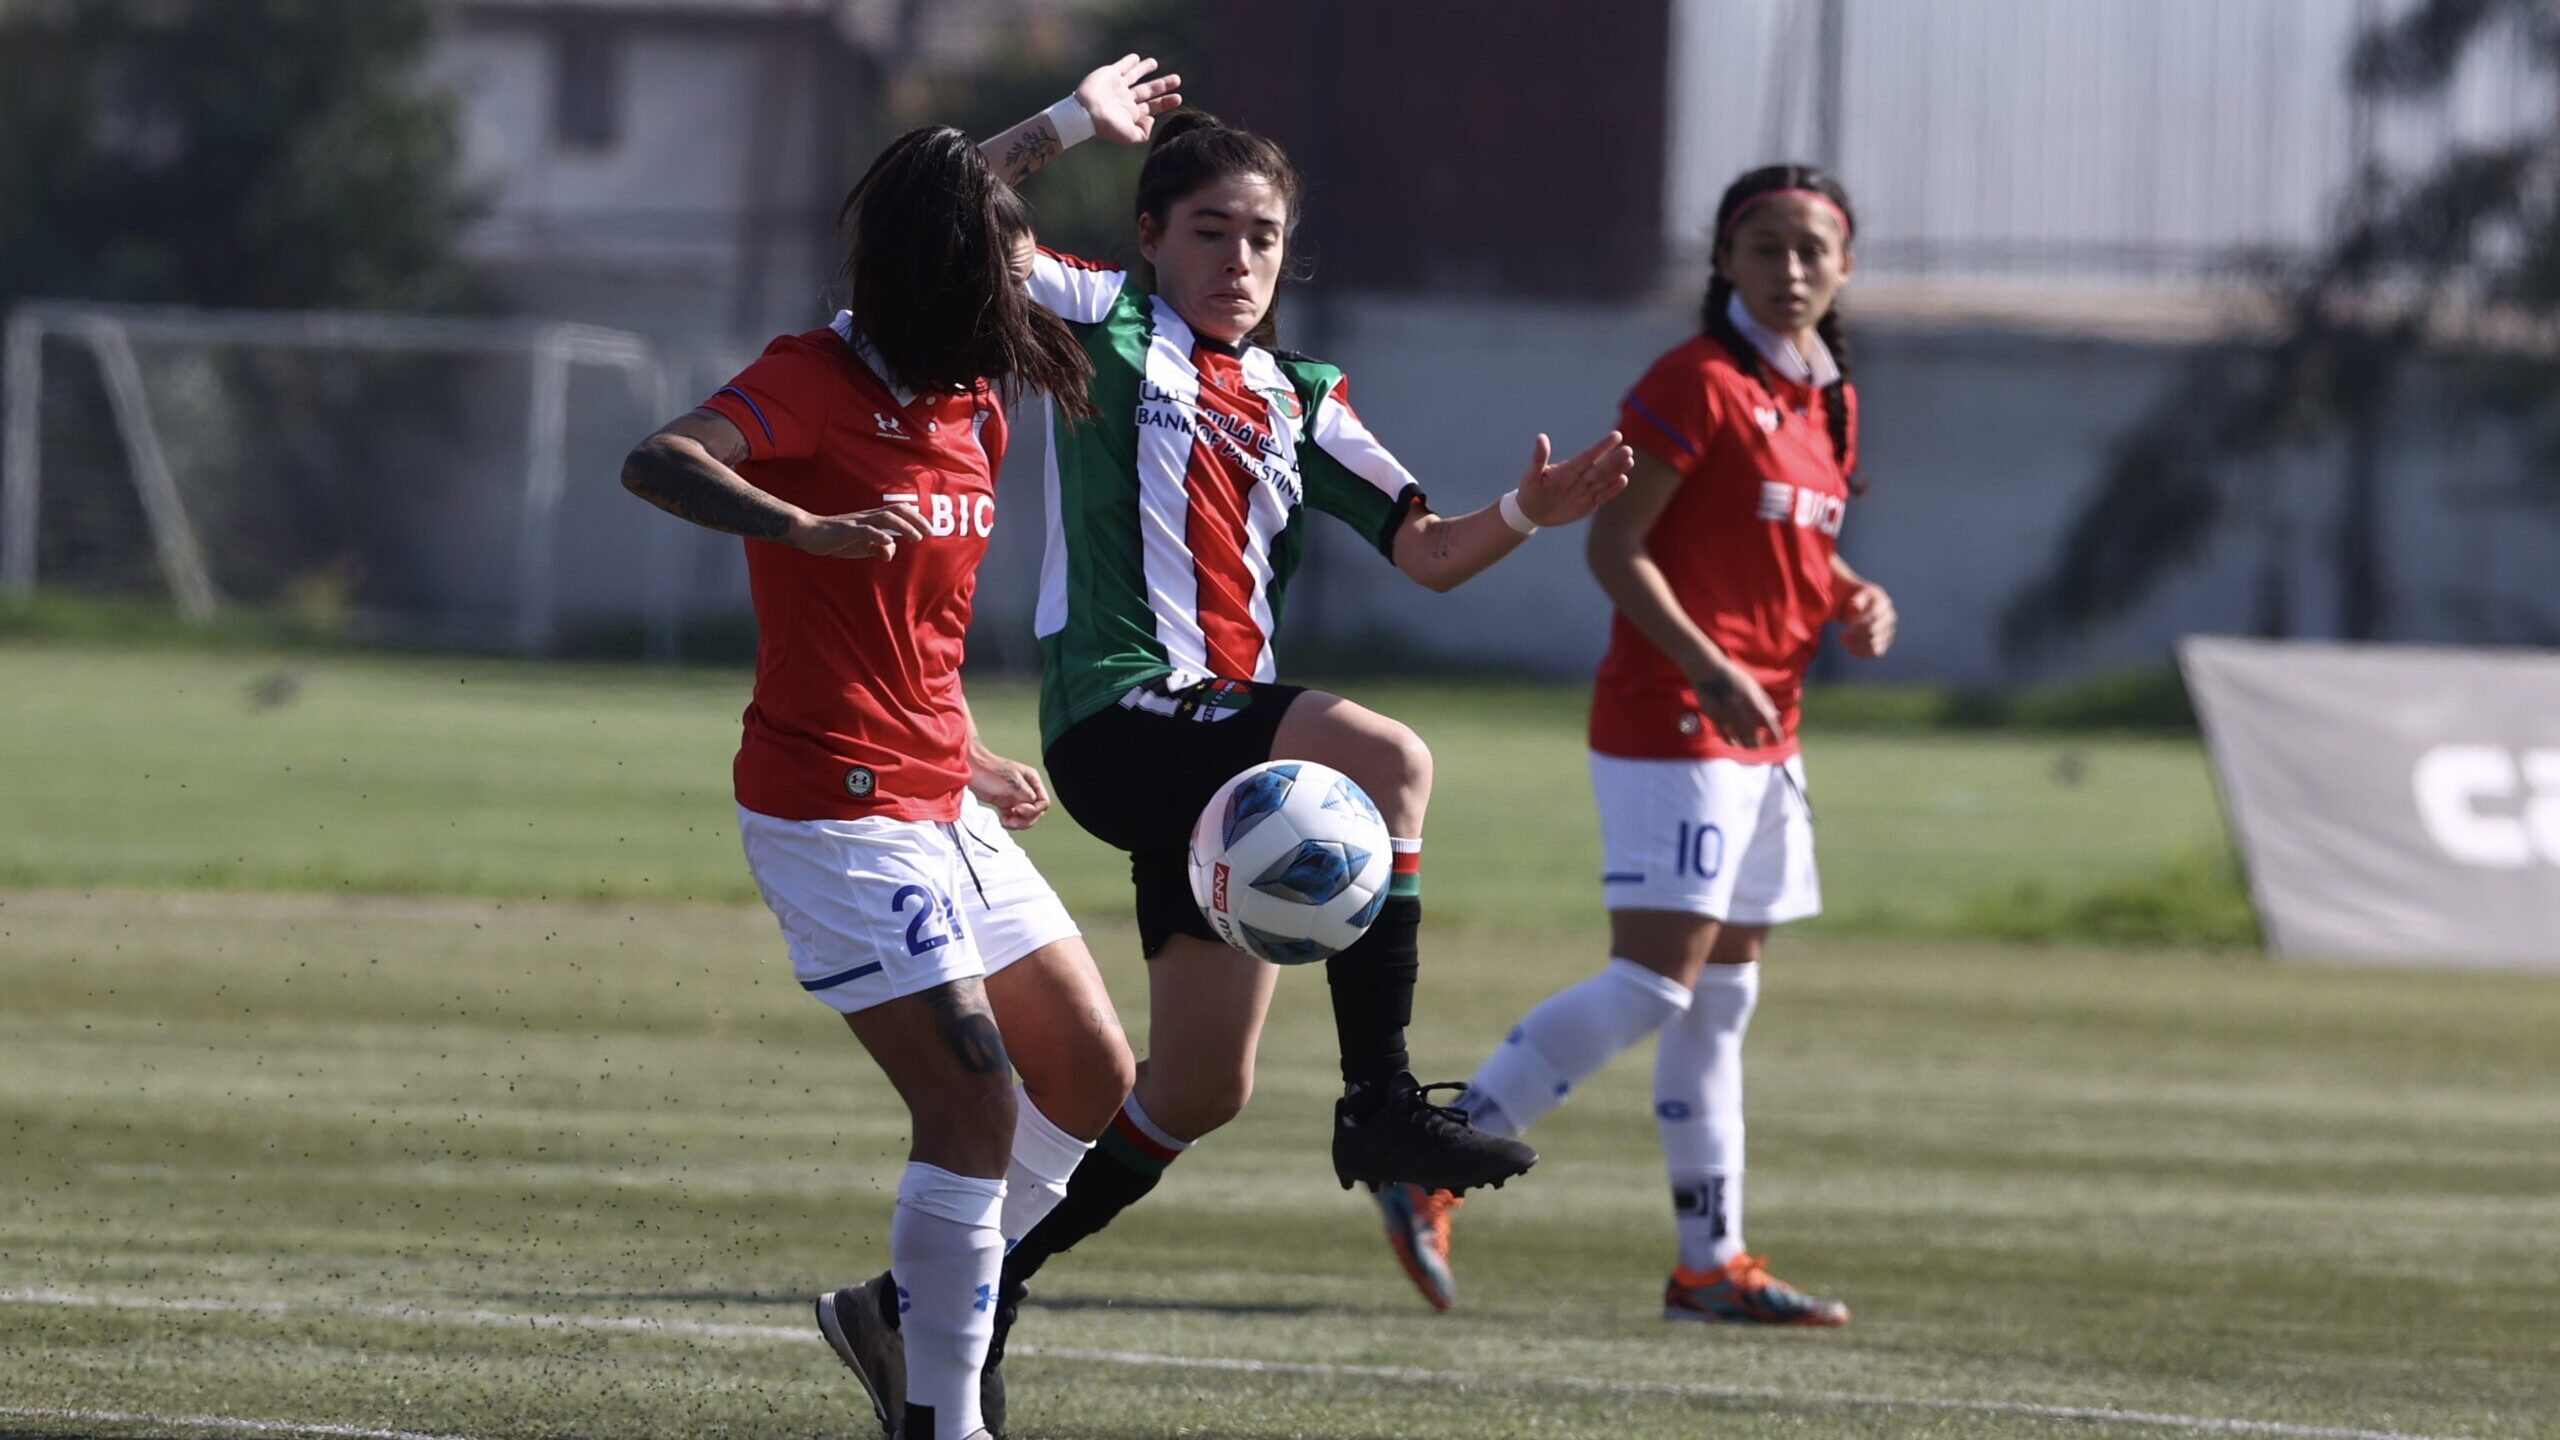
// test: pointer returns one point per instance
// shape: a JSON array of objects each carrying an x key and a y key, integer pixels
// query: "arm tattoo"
[
  {"x": 707, "y": 496},
  {"x": 970, "y": 1032},
  {"x": 1025, "y": 156}
]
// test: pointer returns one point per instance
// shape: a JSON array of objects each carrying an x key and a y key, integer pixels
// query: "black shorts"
[{"x": 1137, "y": 774}]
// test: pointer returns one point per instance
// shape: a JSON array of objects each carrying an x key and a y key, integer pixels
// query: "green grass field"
[{"x": 316, "y": 1113}]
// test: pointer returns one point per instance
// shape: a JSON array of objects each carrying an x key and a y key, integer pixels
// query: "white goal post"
[{"x": 109, "y": 334}]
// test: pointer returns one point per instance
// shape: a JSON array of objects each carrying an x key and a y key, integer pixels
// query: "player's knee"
[
  {"x": 1204, "y": 1104},
  {"x": 1399, "y": 764},
  {"x": 1094, "y": 1089}
]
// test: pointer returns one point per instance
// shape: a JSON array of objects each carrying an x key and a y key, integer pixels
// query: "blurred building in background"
[{"x": 1507, "y": 214}]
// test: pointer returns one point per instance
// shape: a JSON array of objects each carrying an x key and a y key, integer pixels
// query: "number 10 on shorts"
[{"x": 1699, "y": 851}]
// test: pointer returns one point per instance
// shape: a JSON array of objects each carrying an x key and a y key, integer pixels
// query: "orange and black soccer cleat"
[
  {"x": 1743, "y": 1292},
  {"x": 1418, "y": 1231}
]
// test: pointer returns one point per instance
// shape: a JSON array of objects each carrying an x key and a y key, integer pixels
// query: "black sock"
[
  {"x": 1372, "y": 986},
  {"x": 1115, "y": 1174}
]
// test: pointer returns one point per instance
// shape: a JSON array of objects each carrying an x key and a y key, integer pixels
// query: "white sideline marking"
[
  {"x": 1316, "y": 1369},
  {"x": 220, "y": 1422}
]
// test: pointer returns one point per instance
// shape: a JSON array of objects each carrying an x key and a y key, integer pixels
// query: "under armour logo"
[
  {"x": 890, "y": 425},
  {"x": 903, "y": 1305},
  {"x": 986, "y": 1296},
  {"x": 1767, "y": 416}
]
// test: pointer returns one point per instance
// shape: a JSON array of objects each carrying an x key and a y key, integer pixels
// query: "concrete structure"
[{"x": 2057, "y": 196}]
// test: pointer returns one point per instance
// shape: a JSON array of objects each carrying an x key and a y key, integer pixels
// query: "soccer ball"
[{"x": 1290, "y": 861}]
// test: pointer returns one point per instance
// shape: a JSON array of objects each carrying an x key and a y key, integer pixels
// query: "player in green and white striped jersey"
[{"x": 1176, "y": 520}]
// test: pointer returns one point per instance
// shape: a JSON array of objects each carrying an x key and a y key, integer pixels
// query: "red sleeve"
[
  {"x": 1670, "y": 412},
  {"x": 780, "y": 402}
]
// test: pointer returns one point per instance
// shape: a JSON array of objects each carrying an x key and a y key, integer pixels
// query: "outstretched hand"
[
  {"x": 1124, "y": 103},
  {"x": 1570, "y": 489}
]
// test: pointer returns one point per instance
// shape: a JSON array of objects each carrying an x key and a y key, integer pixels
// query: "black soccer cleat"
[
  {"x": 1393, "y": 1134},
  {"x": 860, "y": 1325},
  {"x": 1009, "y": 1297}
]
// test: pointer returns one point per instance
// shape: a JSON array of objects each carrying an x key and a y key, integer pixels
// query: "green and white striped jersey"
[{"x": 1175, "y": 514}]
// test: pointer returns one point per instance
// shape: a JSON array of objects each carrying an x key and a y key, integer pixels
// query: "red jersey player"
[
  {"x": 859, "y": 462},
  {"x": 1723, "y": 561}
]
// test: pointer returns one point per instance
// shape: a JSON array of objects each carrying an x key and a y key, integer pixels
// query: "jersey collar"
[
  {"x": 870, "y": 357},
  {"x": 1817, "y": 369}
]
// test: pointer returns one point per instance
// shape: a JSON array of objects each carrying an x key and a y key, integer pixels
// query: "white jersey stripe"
[
  {"x": 1073, "y": 292},
  {"x": 1339, "y": 433},
  {"x": 1168, "y": 396},
  {"x": 1051, "y": 615},
  {"x": 1269, "y": 510}
]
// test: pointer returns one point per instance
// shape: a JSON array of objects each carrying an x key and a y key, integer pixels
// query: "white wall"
[{"x": 2089, "y": 137}]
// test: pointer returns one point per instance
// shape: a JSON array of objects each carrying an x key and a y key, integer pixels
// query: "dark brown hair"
[
  {"x": 1715, "y": 318},
  {"x": 1189, "y": 149},
  {"x": 930, "y": 234}
]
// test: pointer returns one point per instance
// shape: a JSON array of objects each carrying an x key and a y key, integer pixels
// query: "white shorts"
[
  {"x": 876, "y": 908},
  {"x": 1718, "y": 838},
  {"x": 1010, "y": 907}
]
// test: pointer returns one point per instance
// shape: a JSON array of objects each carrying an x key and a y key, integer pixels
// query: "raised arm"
[
  {"x": 1442, "y": 552},
  {"x": 1117, "y": 102},
  {"x": 688, "y": 470}
]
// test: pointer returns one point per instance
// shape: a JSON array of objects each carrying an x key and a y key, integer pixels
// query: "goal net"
[{"x": 397, "y": 478}]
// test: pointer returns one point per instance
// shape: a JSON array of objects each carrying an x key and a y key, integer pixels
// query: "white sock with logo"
[
  {"x": 945, "y": 1256},
  {"x": 1697, "y": 1105},
  {"x": 1567, "y": 1037},
  {"x": 1044, "y": 1156}
]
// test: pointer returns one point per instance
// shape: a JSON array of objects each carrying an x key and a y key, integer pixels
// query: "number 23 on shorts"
[{"x": 931, "y": 908}]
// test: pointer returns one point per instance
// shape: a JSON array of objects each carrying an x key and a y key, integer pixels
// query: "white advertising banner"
[{"x": 2393, "y": 803}]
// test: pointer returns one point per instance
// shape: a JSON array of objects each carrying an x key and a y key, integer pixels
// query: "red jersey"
[
  {"x": 1746, "y": 544},
  {"x": 857, "y": 706}
]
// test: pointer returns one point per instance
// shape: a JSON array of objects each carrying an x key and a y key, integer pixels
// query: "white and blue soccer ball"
[{"x": 1290, "y": 861}]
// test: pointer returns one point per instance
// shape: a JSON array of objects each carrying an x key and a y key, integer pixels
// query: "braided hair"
[{"x": 1715, "y": 313}]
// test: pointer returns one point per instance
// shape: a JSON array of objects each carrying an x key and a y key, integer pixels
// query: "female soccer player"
[
  {"x": 858, "y": 461},
  {"x": 1723, "y": 563},
  {"x": 1176, "y": 517}
]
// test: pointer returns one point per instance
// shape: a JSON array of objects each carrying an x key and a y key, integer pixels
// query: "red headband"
[{"x": 1847, "y": 230}]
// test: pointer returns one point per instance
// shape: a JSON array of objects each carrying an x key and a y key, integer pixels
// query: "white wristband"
[
  {"x": 1514, "y": 516},
  {"x": 1067, "y": 117}
]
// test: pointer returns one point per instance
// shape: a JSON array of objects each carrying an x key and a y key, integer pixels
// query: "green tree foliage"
[
  {"x": 269, "y": 153},
  {"x": 2469, "y": 249},
  {"x": 1083, "y": 201}
]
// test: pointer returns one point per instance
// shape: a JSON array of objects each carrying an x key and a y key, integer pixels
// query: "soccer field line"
[
  {"x": 1148, "y": 1359},
  {"x": 233, "y": 1423}
]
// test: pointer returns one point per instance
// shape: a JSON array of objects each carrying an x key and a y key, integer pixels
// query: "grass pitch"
[{"x": 488, "y": 1165}]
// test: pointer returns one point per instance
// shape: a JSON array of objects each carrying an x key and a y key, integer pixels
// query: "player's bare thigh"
[
  {"x": 1676, "y": 944},
  {"x": 1381, "y": 754},
  {"x": 1206, "y": 1004},
  {"x": 1064, "y": 1035},
  {"x": 942, "y": 1052}
]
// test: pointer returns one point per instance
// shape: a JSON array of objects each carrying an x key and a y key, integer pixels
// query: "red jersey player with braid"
[
  {"x": 858, "y": 461},
  {"x": 1723, "y": 561}
]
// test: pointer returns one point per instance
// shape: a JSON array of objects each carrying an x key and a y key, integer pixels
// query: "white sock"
[
  {"x": 945, "y": 1256},
  {"x": 1697, "y": 1105},
  {"x": 1043, "y": 1157},
  {"x": 1569, "y": 1035}
]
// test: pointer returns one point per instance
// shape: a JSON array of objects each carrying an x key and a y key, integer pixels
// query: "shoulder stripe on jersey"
[
  {"x": 1674, "y": 436},
  {"x": 1077, "y": 261},
  {"x": 752, "y": 409}
]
